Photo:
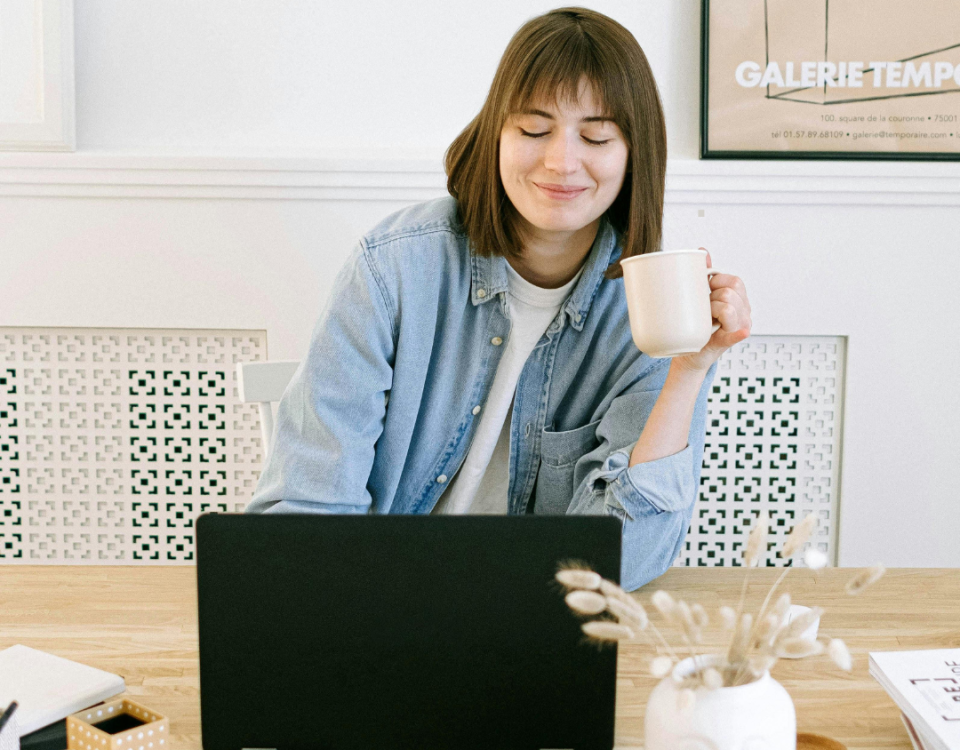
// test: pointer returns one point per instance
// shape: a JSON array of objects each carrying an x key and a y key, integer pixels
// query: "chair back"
[{"x": 263, "y": 383}]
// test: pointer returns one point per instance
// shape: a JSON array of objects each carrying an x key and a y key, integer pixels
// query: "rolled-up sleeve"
[{"x": 654, "y": 500}]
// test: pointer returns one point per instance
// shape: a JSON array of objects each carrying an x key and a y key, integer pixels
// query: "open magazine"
[{"x": 926, "y": 687}]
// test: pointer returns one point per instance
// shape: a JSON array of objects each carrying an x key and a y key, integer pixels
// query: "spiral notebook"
[{"x": 49, "y": 687}]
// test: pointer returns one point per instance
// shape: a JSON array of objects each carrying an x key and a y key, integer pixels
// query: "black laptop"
[{"x": 415, "y": 632}]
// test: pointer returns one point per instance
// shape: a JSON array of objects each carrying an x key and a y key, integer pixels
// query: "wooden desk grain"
[{"x": 141, "y": 623}]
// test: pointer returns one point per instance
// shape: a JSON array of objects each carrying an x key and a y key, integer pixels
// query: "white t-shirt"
[{"x": 483, "y": 481}]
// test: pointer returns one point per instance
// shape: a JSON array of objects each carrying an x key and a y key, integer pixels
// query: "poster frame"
[{"x": 783, "y": 154}]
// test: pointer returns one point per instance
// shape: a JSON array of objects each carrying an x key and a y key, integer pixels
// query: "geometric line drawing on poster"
[{"x": 786, "y": 95}]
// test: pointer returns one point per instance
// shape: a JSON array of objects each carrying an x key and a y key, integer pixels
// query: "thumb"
[{"x": 709, "y": 260}]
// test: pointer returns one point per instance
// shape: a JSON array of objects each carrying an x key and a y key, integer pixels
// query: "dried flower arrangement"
[{"x": 756, "y": 643}]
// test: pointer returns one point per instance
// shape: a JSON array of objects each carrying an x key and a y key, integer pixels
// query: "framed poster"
[{"x": 830, "y": 79}]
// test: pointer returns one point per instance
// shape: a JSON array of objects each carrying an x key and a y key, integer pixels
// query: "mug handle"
[{"x": 710, "y": 272}]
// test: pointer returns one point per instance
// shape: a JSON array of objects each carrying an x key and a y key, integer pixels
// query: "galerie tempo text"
[{"x": 910, "y": 74}]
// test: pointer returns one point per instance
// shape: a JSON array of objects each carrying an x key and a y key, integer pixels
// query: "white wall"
[
  {"x": 182, "y": 76},
  {"x": 211, "y": 189}
]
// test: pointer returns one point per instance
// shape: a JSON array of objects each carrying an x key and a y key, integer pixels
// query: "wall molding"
[{"x": 392, "y": 178}]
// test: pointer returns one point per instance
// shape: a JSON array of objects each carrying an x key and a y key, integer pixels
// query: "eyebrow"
[{"x": 547, "y": 115}]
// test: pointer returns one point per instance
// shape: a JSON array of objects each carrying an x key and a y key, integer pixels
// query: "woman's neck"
[{"x": 550, "y": 259}]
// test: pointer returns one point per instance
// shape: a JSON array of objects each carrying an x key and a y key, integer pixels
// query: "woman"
[{"x": 494, "y": 324}]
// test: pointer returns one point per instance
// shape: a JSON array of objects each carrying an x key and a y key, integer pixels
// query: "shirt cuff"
[
  {"x": 649, "y": 488},
  {"x": 304, "y": 506}
]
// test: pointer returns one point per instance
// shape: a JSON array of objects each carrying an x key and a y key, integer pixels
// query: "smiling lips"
[{"x": 560, "y": 192}]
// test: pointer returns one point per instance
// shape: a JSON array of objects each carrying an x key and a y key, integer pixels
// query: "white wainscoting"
[
  {"x": 866, "y": 251},
  {"x": 113, "y": 441}
]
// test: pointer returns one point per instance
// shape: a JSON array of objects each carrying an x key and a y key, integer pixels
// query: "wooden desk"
[{"x": 141, "y": 623}]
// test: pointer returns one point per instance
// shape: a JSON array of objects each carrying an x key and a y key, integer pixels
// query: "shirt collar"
[{"x": 489, "y": 276}]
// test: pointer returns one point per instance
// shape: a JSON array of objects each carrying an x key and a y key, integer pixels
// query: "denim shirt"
[{"x": 381, "y": 412}]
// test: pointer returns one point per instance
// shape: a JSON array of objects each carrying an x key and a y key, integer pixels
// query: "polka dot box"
[{"x": 118, "y": 725}]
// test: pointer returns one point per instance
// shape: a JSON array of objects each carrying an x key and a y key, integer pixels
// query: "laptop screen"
[{"x": 339, "y": 632}]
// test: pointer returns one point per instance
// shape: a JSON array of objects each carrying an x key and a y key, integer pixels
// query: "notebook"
[{"x": 49, "y": 687}]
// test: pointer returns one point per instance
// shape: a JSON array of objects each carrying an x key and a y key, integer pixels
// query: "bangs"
[
  {"x": 555, "y": 70},
  {"x": 546, "y": 62}
]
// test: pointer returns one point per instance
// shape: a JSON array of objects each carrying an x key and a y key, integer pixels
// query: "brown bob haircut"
[{"x": 546, "y": 60}]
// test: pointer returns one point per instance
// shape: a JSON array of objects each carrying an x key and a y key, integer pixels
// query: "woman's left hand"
[{"x": 731, "y": 309}]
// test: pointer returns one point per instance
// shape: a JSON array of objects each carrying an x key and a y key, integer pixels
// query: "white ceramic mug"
[{"x": 668, "y": 300}]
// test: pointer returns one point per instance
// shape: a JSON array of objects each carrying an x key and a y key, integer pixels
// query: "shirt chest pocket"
[{"x": 559, "y": 453}]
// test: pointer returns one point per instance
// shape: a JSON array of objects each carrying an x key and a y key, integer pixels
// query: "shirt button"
[
  {"x": 476, "y": 410},
  {"x": 578, "y": 317},
  {"x": 496, "y": 341},
  {"x": 481, "y": 293},
  {"x": 442, "y": 478}
]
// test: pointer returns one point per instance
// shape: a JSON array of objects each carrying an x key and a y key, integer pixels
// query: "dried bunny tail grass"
[
  {"x": 700, "y": 616},
  {"x": 815, "y": 559},
  {"x": 586, "y": 602},
  {"x": 865, "y": 578},
  {"x": 578, "y": 578},
  {"x": 799, "y": 624},
  {"x": 634, "y": 614},
  {"x": 767, "y": 629},
  {"x": 665, "y": 605},
  {"x": 782, "y": 606},
  {"x": 798, "y": 648},
  {"x": 690, "y": 629},
  {"x": 757, "y": 541},
  {"x": 760, "y": 663},
  {"x": 728, "y": 617},
  {"x": 609, "y": 588},
  {"x": 712, "y": 679},
  {"x": 798, "y": 536},
  {"x": 613, "y": 592},
  {"x": 840, "y": 654},
  {"x": 661, "y": 666},
  {"x": 690, "y": 681},
  {"x": 607, "y": 630},
  {"x": 741, "y": 639},
  {"x": 730, "y": 672},
  {"x": 686, "y": 615}
]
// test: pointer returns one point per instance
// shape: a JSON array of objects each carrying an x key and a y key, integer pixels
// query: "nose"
[{"x": 562, "y": 155}]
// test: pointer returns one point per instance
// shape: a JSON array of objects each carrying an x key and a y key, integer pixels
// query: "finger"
[
  {"x": 726, "y": 315},
  {"x": 718, "y": 280},
  {"x": 725, "y": 294},
  {"x": 741, "y": 289},
  {"x": 728, "y": 281},
  {"x": 709, "y": 259},
  {"x": 731, "y": 296}
]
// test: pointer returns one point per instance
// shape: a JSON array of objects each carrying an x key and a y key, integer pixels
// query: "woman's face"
[{"x": 562, "y": 164}]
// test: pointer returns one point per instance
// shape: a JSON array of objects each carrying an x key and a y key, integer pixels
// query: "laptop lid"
[{"x": 349, "y": 632}]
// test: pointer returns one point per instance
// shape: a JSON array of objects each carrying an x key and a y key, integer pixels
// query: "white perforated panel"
[
  {"x": 112, "y": 441},
  {"x": 773, "y": 443}
]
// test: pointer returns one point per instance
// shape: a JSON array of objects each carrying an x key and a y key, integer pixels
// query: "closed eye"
[{"x": 588, "y": 140}]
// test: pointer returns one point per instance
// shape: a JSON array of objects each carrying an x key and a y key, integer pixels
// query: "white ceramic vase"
[{"x": 755, "y": 716}]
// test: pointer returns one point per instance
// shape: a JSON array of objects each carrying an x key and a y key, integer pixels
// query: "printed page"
[{"x": 930, "y": 682}]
